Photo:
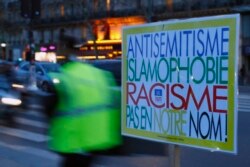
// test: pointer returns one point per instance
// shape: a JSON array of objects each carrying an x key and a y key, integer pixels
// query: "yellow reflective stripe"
[{"x": 79, "y": 111}]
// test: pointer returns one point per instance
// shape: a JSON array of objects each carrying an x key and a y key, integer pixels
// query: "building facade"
[{"x": 92, "y": 29}]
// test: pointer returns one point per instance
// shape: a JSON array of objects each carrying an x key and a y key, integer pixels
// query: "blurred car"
[
  {"x": 41, "y": 70},
  {"x": 10, "y": 99},
  {"x": 112, "y": 65}
]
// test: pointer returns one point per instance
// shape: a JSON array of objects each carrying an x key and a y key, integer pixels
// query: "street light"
[{"x": 3, "y": 46}]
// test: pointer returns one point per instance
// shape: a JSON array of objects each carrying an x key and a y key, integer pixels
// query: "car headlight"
[
  {"x": 11, "y": 101},
  {"x": 19, "y": 86},
  {"x": 55, "y": 80}
]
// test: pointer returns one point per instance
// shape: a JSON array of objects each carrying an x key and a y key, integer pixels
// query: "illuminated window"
[
  {"x": 85, "y": 32},
  {"x": 108, "y": 5},
  {"x": 62, "y": 10},
  {"x": 52, "y": 11},
  {"x": 116, "y": 31},
  {"x": 45, "y": 56},
  {"x": 95, "y": 5},
  {"x": 169, "y": 4}
]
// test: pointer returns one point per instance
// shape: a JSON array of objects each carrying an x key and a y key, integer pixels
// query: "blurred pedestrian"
[
  {"x": 243, "y": 74},
  {"x": 86, "y": 118},
  {"x": 32, "y": 77},
  {"x": 7, "y": 69}
]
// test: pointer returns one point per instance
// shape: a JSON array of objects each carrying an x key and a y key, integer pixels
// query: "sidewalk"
[
  {"x": 244, "y": 90},
  {"x": 110, "y": 161},
  {"x": 9, "y": 163},
  {"x": 132, "y": 161}
]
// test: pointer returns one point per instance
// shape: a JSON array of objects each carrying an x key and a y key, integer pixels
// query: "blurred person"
[
  {"x": 7, "y": 69},
  {"x": 86, "y": 119},
  {"x": 32, "y": 77},
  {"x": 243, "y": 74}
]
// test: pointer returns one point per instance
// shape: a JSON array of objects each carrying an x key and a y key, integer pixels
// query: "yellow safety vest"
[{"x": 87, "y": 117}]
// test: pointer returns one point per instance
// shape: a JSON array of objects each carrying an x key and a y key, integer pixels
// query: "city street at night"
[{"x": 124, "y": 83}]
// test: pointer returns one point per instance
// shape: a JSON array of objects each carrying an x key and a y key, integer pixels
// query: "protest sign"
[{"x": 179, "y": 82}]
